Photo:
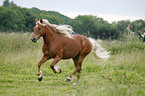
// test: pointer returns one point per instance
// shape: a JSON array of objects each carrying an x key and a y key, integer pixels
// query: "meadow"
[{"x": 122, "y": 75}]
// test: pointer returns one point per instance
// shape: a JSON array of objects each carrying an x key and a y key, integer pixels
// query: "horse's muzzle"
[{"x": 34, "y": 40}]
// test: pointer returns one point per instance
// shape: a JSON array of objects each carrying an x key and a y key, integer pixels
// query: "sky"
[{"x": 110, "y": 10}]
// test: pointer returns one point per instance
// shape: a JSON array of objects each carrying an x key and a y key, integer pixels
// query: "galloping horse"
[{"x": 59, "y": 43}]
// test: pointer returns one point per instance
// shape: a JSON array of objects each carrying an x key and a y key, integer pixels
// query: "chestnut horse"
[{"x": 59, "y": 43}]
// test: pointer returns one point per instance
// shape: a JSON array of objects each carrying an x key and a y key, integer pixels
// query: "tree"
[
  {"x": 12, "y": 4},
  {"x": 93, "y": 26},
  {"x": 121, "y": 26},
  {"x": 138, "y": 27},
  {"x": 11, "y": 19},
  {"x": 56, "y": 16},
  {"x": 84, "y": 25},
  {"x": 29, "y": 18},
  {"x": 6, "y": 3}
]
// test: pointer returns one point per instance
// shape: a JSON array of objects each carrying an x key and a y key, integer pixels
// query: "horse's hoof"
[
  {"x": 40, "y": 79},
  {"x": 59, "y": 71},
  {"x": 67, "y": 80},
  {"x": 76, "y": 83}
]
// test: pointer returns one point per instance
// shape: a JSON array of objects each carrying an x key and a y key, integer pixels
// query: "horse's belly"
[
  {"x": 71, "y": 52},
  {"x": 68, "y": 56}
]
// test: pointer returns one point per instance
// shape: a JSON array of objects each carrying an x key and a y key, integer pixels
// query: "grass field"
[{"x": 122, "y": 75}]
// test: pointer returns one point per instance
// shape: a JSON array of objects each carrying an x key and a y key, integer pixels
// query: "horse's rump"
[{"x": 73, "y": 47}]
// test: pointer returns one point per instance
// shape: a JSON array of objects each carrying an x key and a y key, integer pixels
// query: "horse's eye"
[{"x": 39, "y": 28}]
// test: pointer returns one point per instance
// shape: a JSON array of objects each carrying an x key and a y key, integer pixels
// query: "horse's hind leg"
[{"x": 78, "y": 64}]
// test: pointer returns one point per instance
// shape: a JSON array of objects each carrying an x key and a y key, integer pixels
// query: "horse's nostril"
[{"x": 33, "y": 40}]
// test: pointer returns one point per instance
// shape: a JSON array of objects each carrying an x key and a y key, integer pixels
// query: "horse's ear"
[
  {"x": 36, "y": 19},
  {"x": 41, "y": 20}
]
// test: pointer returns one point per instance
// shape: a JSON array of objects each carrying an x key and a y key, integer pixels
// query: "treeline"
[{"x": 14, "y": 18}]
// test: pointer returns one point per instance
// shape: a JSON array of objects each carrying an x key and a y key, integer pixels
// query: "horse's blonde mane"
[{"x": 65, "y": 30}]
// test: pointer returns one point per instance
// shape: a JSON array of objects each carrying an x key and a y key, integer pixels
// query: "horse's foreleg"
[
  {"x": 55, "y": 61},
  {"x": 43, "y": 60}
]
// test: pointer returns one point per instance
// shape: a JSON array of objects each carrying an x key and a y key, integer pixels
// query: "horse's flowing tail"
[{"x": 98, "y": 51}]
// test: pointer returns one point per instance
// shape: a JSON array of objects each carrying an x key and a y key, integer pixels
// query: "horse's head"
[{"x": 38, "y": 31}]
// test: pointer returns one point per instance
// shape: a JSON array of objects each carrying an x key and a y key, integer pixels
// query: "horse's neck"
[{"x": 50, "y": 36}]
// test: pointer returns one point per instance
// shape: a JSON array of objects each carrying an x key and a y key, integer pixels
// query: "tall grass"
[{"x": 122, "y": 75}]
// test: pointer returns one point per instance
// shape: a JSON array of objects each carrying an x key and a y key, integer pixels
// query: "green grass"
[{"x": 122, "y": 75}]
